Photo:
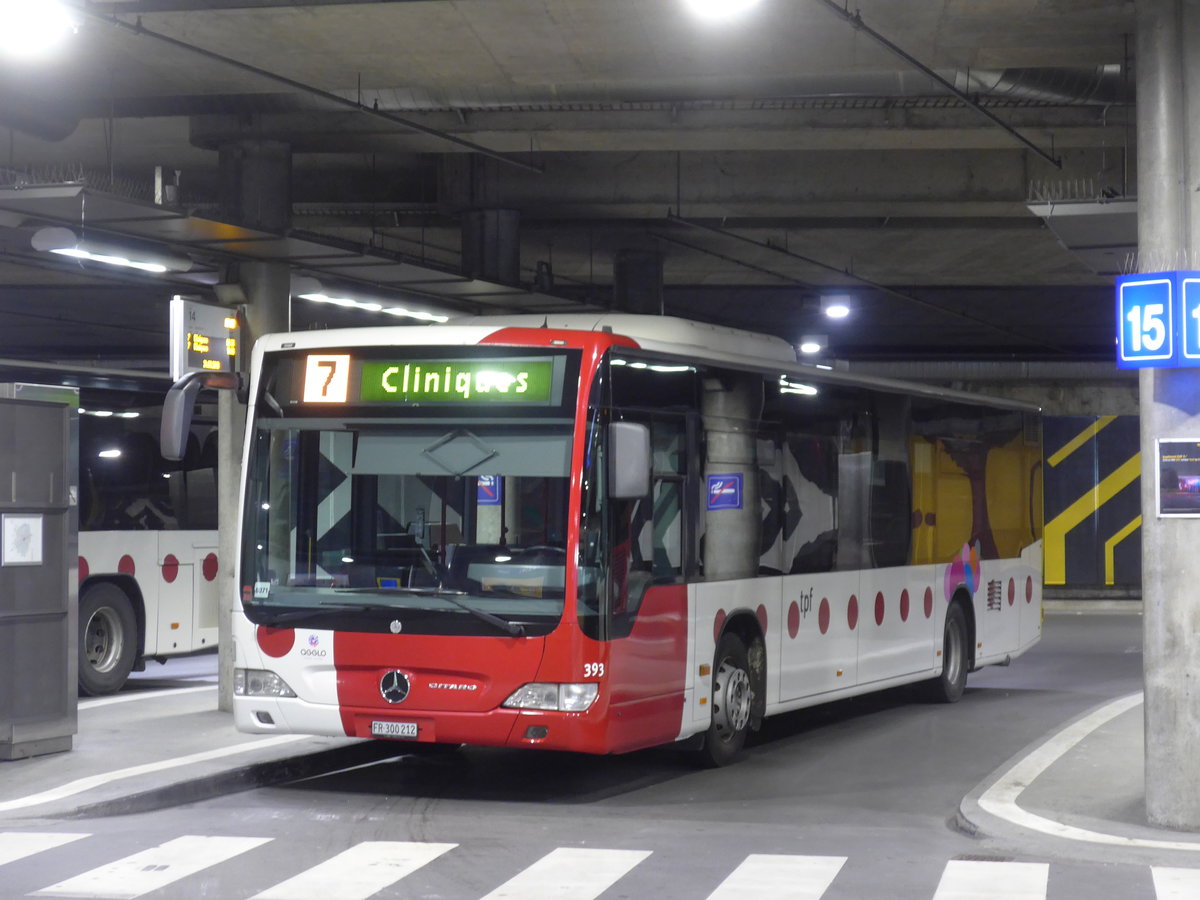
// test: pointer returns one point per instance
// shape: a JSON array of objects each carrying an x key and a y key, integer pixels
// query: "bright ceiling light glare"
[
  {"x": 836, "y": 306},
  {"x": 717, "y": 10},
  {"x": 33, "y": 28},
  {"x": 812, "y": 343}
]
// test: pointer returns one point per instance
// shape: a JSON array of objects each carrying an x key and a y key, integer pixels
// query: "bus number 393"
[{"x": 593, "y": 670}]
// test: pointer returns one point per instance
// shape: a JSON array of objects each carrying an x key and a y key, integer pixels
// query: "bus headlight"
[
  {"x": 554, "y": 697},
  {"x": 259, "y": 683}
]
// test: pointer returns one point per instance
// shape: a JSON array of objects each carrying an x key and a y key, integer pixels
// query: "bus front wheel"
[
  {"x": 732, "y": 702},
  {"x": 107, "y": 638},
  {"x": 948, "y": 687}
]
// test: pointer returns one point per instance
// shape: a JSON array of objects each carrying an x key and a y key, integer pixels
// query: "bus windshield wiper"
[
  {"x": 292, "y": 616},
  {"x": 513, "y": 628}
]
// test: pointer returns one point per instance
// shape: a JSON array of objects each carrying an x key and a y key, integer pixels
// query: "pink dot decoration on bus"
[
  {"x": 880, "y": 608},
  {"x": 1029, "y": 589},
  {"x": 170, "y": 568},
  {"x": 126, "y": 565},
  {"x": 761, "y": 612},
  {"x": 793, "y": 620},
  {"x": 904, "y": 605},
  {"x": 964, "y": 569},
  {"x": 823, "y": 615},
  {"x": 83, "y": 569},
  {"x": 719, "y": 624},
  {"x": 852, "y": 612},
  {"x": 1012, "y": 591},
  {"x": 276, "y": 642},
  {"x": 929, "y": 603},
  {"x": 209, "y": 567}
]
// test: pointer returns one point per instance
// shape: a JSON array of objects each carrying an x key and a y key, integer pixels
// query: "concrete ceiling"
[{"x": 767, "y": 159}]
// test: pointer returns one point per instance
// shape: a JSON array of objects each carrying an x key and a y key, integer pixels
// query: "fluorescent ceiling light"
[
  {"x": 65, "y": 242},
  {"x": 307, "y": 288},
  {"x": 719, "y": 9},
  {"x": 33, "y": 28}
]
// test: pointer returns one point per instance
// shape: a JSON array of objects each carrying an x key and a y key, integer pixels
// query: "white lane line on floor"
[
  {"x": 769, "y": 877},
  {"x": 357, "y": 873},
  {"x": 979, "y": 880},
  {"x": 16, "y": 845},
  {"x": 1001, "y": 798},
  {"x": 1176, "y": 884},
  {"x": 569, "y": 873},
  {"x": 94, "y": 781},
  {"x": 94, "y": 702},
  {"x": 153, "y": 869}
]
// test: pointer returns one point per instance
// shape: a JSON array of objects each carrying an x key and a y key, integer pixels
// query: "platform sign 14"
[{"x": 1158, "y": 320}]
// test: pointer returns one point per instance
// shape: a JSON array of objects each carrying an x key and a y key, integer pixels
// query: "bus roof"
[{"x": 682, "y": 338}]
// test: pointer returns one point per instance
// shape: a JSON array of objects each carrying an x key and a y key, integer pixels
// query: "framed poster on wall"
[
  {"x": 1178, "y": 474},
  {"x": 22, "y": 536}
]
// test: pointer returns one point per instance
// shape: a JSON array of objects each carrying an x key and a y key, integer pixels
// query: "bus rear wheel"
[
  {"x": 107, "y": 638},
  {"x": 948, "y": 687},
  {"x": 732, "y": 703}
]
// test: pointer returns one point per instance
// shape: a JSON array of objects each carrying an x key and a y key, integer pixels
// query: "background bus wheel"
[
  {"x": 107, "y": 635},
  {"x": 732, "y": 702},
  {"x": 948, "y": 686}
]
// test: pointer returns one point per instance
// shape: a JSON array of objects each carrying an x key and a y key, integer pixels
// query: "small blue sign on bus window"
[
  {"x": 725, "y": 491},
  {"x": 489, "y": 490}
]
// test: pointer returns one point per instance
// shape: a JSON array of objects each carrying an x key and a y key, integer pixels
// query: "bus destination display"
[{"x": 339, "y": 378}]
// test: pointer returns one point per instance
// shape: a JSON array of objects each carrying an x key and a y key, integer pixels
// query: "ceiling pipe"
[
  {"x": 311, "y": 89},
  {"x": 855, "y": 19}
]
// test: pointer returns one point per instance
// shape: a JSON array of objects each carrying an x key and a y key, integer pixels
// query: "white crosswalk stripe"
[
  {"x": 357, "y": 873},
  {"x": 152, "y": 869},
  {"x": 569, "y": 873},
  {"x": 1176, "y": 884},
  {"x": 983, "y": 880},
  {"x": 776, "y": 877},
  {"x": 19, "y": 844}
]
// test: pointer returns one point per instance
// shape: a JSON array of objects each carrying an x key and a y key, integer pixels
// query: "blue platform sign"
[
  {"x": 489, "y": 490},
  {"x": 1158, "y": 320},
  {"x": 725, "y": 491}
]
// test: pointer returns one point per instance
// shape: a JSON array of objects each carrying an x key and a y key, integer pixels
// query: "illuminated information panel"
[
  {"x": 204, "y": 338},
  {"x": 340, "y": 378}
]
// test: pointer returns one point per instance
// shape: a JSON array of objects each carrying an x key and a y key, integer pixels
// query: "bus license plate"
[{"x": 406, "y": 730}]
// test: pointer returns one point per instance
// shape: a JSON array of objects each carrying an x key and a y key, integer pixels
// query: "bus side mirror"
[
  {"x": 628, "y": 460},
  {"x": 178, "y": 406}
]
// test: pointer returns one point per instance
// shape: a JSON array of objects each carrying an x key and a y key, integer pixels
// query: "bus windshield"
[{"x": 406, "y": 517}]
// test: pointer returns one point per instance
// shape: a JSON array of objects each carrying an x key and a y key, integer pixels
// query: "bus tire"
[
  {"x": 732, "y": 703},
  {"x": 107, "y": 639},
  {"x": 948, "y": 687}
]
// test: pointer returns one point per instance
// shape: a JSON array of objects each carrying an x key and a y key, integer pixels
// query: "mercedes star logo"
[{"x": 394, "y": 686}]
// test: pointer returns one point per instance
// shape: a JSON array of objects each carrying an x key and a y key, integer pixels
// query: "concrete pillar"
[
  {"x": 731, "y": 406},
  {"x": 491, "y": 244},
  {"x": 638, "y": 282},
  {"x": 1168, "y": 120},
  {"x": 256, "y": 192}
]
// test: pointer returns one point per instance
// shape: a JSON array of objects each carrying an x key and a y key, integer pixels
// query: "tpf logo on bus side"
[{"x": 725, "y": 491}]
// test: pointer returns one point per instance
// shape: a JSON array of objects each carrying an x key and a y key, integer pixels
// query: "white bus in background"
[{"x": 147, "y": 546}]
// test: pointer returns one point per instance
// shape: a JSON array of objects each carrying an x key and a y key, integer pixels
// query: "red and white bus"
[
  {"x": 603, "y": 533},
  {"x": 147, "y": 547}
]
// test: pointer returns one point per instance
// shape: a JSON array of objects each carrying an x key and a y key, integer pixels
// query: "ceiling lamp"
[
  {"x": 33, "y": 28},
  {"x": 719, "y": 9},
  {"x": 813, "y": 343},
  {"x": 307, "y": 288},
  {"x": 65, "y": 242},
  {"x": 836, "y": 306}
]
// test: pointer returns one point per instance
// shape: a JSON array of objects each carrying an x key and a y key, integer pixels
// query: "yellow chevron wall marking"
[
  {"x": 1057, "y": 528},
  {"x": 1079, "y": 440},
  {"x": 1111, "y": 544}
]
